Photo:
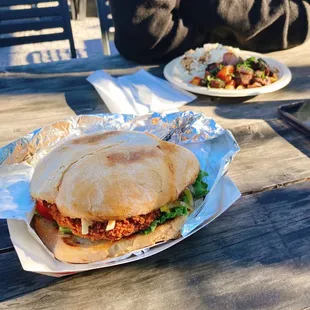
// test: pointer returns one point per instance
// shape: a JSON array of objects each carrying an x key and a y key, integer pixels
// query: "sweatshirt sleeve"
[
  {"x": 158, "y": 30},
  {"x": 260, "y": 25},
  {"x": 152, "y": 30}
]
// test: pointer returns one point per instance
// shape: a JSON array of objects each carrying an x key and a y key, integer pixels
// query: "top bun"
[{"x": 113, "y": 175}]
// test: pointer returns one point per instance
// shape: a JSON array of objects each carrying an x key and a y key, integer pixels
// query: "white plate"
[{"x": 285, "y": 77}]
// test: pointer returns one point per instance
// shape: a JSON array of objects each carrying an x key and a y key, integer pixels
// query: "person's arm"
[
  {"x": 152, "y": 30},
  {"x": 261, "y": 25},
  {"x": 158, "y": 30}
]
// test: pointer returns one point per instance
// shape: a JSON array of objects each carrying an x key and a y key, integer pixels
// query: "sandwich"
[{"x": 103, "y": 195}]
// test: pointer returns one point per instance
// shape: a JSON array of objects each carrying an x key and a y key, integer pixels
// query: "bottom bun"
[{"x": 73, "y": 249}]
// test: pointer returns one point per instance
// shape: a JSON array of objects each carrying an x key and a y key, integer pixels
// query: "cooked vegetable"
[
  {"x": 230, "y": 59},
  {"x": 231, "y": 83},
  {"x": 236, "y": 73},
  {"x": 229, "y": 86},
  {"x": 226, "y": 73},
  {"x": 214, "y": 68},
  {"x": 273, "y": 79},
  {"x": 196, "y": 81}
]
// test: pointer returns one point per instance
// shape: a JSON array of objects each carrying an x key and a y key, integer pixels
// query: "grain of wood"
[
  {"x": 255, "y": 256},
  {"x": 272, "y": 153},
  {"x": 15, "y": 281},
  {"x": 69, "y": 79}
]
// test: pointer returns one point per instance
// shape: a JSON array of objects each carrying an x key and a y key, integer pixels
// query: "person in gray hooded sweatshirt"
[{"x": 159, "y": 30}]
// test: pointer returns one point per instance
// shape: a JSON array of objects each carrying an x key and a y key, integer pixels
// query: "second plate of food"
[{"x": 223, "y": 71}]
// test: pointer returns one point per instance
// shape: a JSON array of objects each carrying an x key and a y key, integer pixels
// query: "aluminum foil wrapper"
[{"x": 214, "y": 147}]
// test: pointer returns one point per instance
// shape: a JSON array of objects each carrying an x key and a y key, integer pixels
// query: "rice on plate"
[{"x": 193, "y": 62}]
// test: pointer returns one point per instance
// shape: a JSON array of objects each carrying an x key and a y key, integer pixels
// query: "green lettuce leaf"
[
  {"x": 64, "y": 230},
  {"x": 200, "y": 188},
  {"x": 188, "y": 197},
  {"x": 178, "y": 211}
]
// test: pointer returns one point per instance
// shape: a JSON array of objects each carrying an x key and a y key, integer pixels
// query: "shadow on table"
[
  {"x": 63, "y": 77},
  {"x": 50, "y": 56},
  {"x": 86, "y": 66},
  {"x": 253, "y": 256}
]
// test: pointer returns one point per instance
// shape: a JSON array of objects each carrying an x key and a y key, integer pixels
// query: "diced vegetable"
[
  {"x": 273, "y": 79},
  {"x": 64, "y": 230},
  {"x": 230, "y": 59},
  {"x": 85, "y": 226},
  {"x": 235, "y": 71},
  {"x": 259, "y": 74},
  {"x": 214, "y": 68},
  {"x": 249, "y": 62},
  {"x": 231, "y": 83},
  {"x": 164, "y": 208},
  {"x": 111, "y": 225},
  {"x": 196, "y": 81},
  {"x": 43, "y": 210},
  {"x": 226, "y": 73},
  {"x": 228, "y": 86}
]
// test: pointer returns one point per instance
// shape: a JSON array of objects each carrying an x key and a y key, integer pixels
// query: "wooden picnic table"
[{"x": 255, "y": 256}]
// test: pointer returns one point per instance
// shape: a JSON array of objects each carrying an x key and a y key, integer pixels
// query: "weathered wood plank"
[
  {"x": 272, "y": 154},
  {"x": 14, "y": 280},
  {"x": 254, "y": 256},
  {"x": 5, "y": 241},
  {"x": 227, "y": 111}
]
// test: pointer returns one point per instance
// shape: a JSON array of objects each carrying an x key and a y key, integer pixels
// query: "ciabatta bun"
[{"x": 113, "y": 175}]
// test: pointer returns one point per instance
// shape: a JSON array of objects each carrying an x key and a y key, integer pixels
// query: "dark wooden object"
[
  {"x": 35, "y": 19},
  {"x": 255, "y": 256}
]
